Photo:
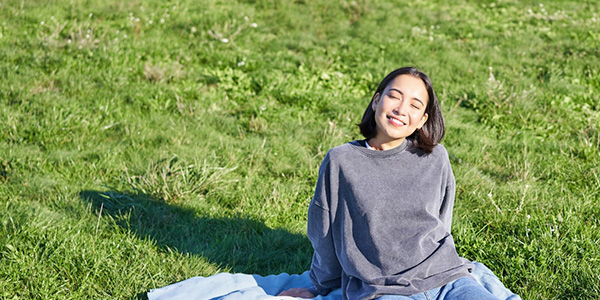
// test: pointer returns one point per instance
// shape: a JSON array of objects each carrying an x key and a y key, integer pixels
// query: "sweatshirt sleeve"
[
  {"x": 325, "y": 270},
  {"x": 448, "y": 194}
]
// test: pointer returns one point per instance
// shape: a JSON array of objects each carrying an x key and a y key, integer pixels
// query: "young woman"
[{"x": 380, "y": 218}]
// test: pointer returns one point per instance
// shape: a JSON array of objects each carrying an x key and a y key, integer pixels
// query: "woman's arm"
[
  {"x": 448, "y": 194},
  {"x": 325, "y": 270}
]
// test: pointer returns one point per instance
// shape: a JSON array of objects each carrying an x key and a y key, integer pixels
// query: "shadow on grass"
[{"x": 242, "y": 244}]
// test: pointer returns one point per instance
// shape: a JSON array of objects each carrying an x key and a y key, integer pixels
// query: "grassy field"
[{"x": 146, "y": 142}]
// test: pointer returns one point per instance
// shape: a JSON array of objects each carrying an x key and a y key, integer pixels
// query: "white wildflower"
[
  {"x": 150, "y": 21},
  {"x": 42, "y": 23},
  {"x": 162, "y": 21},
  {"x": 246, "y": 18},
  {"x": 193, "y": 29},
  {"x": 224, "y": 40},
  {"x": 253, "y": 25},
  {"x": 241, "y": 63}
]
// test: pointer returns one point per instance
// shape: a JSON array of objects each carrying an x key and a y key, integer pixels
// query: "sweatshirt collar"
[{"x": 361, "y": 146}]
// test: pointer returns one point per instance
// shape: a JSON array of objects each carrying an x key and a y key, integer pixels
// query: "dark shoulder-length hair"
[{"x": 432, "y": 131}]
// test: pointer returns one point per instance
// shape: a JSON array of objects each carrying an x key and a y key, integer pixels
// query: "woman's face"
[{"x": 400, "y": 109}]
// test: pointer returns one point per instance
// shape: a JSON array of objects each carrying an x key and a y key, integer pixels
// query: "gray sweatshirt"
[{"x": 379, "y": 222}]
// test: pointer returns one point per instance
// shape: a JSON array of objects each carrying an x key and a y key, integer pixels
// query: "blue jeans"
[{"x": 465, "y": 288}]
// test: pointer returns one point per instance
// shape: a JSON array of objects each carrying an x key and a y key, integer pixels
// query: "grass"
[{"x": 146, "y": 142}]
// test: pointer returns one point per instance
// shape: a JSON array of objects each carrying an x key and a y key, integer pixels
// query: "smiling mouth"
[{"x": 395, "y": 121}]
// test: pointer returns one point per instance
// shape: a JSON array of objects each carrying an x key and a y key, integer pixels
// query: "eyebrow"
[{"x": 399, "y": 91}]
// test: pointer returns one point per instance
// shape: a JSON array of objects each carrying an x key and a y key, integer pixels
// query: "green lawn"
[{"x": 146, "y": 142}]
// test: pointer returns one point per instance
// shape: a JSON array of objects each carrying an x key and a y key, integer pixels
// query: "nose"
[{"x": 401, "y": 108}]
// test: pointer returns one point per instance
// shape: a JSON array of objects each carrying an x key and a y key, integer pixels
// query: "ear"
[
  {"x": 375, "y": 101},
  {"x": 423, "y": 120}
]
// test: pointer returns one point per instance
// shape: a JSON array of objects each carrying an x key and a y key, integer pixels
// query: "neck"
[{"x": 384, "y": 145}]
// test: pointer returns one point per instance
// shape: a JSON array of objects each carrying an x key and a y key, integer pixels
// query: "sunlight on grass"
[{"x": 148, "y": 142}]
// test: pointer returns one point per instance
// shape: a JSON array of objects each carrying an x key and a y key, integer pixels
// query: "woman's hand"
[{"x": 297, "y": 292}]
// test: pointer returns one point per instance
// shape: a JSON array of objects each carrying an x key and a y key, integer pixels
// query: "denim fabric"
[
  {"x": 492, "y": 283},
  {"x": 465, "y": 288}
]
